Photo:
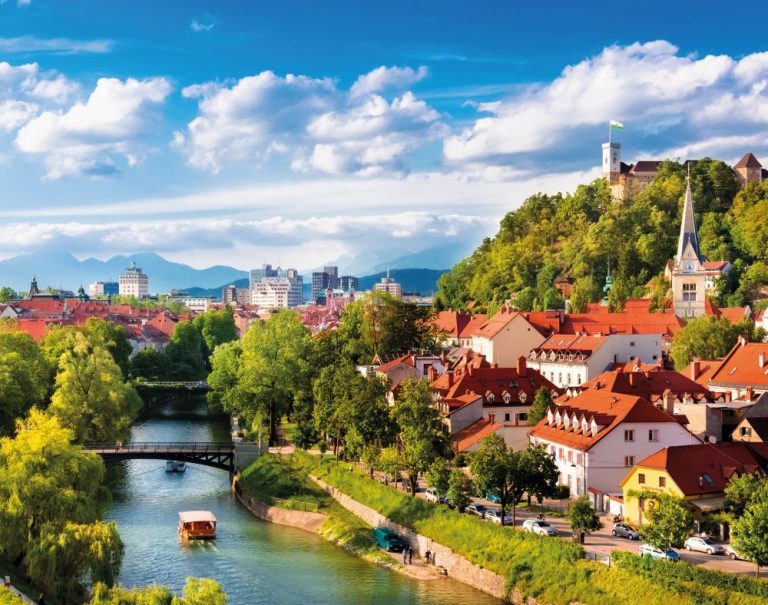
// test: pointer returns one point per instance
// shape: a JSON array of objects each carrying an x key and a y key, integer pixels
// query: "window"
[
  {"x": 569, "y": 379},
  {"x": 689, "y": 292},
  {"x": 426, "y": 369},
  {"x": 653, "y": 435},
  {"x": 632, "y": 343},
  {"x": 629, "y": 461},
  {"x": 579, "y": 459},
  {"x": 662, "y": 482},
  {"x": 559, "y": 378},
  {"x": 560, "y": 453},
  {"x": 522, "y": 417},
  {"x": 570, "y": 456},
  {"x": 745, "y": 431},
  {"x": 506, "y": 417},
  {"x": 629, "y": 435},
  {"x": 641, "y": 478}
]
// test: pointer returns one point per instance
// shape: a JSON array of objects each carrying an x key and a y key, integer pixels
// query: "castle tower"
[
  {"x": 689, "y": 279},
  {"x": 749, "y": 170},
  {"x": 612, "y": 162}
]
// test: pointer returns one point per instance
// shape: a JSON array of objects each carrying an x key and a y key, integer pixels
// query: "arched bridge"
[
  {"x": 190, "y": 385},
  {"x": 218, "y": 455}
]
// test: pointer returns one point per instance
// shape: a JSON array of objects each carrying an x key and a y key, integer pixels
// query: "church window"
[{"x": 689, "y": 292}]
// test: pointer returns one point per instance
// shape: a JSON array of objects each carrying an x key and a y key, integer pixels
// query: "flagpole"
[{"x": 609, "y": 132}]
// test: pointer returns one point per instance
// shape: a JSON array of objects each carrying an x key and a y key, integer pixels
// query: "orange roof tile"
[
  {"x": 741, "y": 367},
  {"x": 609, "y": 411},
  {"x": 473, "y": 433},
  {"x": 706, "y": 367},
  {"x": 497, "y": 381},
  {"x": 572, "y": 342},
  {"x": 648, "y": 385},
  {"x": 496, "y": 324}
]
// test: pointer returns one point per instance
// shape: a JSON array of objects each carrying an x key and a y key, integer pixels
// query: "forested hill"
[{"x": 579, "y": 234}]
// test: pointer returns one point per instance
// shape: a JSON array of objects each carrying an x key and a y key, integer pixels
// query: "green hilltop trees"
[{"x": 579, "y": 234}]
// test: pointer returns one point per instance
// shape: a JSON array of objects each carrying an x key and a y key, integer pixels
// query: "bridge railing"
[{"x": 163, "y": 446}]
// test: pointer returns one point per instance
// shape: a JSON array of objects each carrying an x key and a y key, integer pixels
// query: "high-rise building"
[
  {"x": 133, "y": 282},
  {"x": 100, "y": 289},
  {"x": 282, "y": 290},
  {"x": 349, "y": 283},
  {"x": 390, "y": 286},
  {"x": 319, "y": 284},
  {"x": 232, "y": 294},
  {"x": 333, "y": 276},
  {"x": 265, "y": 271}
]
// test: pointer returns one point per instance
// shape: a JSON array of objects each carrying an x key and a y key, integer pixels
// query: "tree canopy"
[{"x": 709, "y": 337}]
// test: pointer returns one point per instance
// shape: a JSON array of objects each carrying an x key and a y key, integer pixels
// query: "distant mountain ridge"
[{"x": 64, "y": 271}]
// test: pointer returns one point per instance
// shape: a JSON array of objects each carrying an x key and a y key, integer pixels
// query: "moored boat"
[
  {"x": 197, "y": 525},
  {"x": 175, "y": 466}
]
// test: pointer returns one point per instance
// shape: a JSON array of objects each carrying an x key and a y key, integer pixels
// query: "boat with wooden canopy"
[{"x": 197, "y": 525}]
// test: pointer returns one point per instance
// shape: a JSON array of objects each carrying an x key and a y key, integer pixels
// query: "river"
[{"x": 256, "y": 562}]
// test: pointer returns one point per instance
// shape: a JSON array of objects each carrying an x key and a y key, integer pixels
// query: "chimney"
[
  {"x": 449, "y": 373},
  {"x": 749, "y": 394},
  {"x": 761, "y": 360},
  {"x": 632, "y": 379},
  {"x": 494, "y": 365},
  {"x": 431, "y": 373},
  {"x": 742, "y": 341},
  {"x": 695, "y": 369},
  {"x": 669, "y": 402},
  {"x": 522, "y": 368}
]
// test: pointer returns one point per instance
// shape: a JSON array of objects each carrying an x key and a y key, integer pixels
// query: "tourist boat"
[
  {"x": 175, "y": 466},
  {"x": 197, "y": 525}
]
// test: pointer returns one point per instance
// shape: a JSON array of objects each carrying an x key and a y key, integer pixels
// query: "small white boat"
[
  {"x": 197, "y": 524},
  {"x": 175, "y": 466}
]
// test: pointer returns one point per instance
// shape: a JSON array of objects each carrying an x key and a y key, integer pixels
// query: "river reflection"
[{"x": 256, "y": 562}]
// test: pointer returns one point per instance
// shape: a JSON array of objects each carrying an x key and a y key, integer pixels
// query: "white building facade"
[{"x": 134, "y": 282}]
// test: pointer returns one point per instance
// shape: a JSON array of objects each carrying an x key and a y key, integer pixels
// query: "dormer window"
[
  {"x": 491, "y": 398},
  {"x": 550, "y": 417},
  {"x": 558, "y": 418},
  {"x": 508, "y": 397},
  {"x": 575, "y": 421},
  {"x": 567, "y": 421},
  {"x": 593, "y": 428},
  {"x": 522, "y": 397},
  {"x": 584, "y": 425}
]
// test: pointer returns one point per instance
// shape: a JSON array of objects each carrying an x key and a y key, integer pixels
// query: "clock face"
[{"x": 688, "y": 266}]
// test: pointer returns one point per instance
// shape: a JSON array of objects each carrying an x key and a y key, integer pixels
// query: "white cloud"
[
  {"x": 648, "y": 86},
  {"x": 88, "y": 137},
  {"x": 311, "y": 120},
  {"x": 202, "y": 26},
  {"x": 385, "y": 78},
  {"x": 63, "y": 46}
]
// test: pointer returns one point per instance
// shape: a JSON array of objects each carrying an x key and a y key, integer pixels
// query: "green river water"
[{"x": 256, "y": 562}]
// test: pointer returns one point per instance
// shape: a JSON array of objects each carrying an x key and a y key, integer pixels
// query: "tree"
[
  {"x": 541, "y": 403},
  {"x": 273, "y": 368},
  {"x": 197, "y": 591},
  {"x": 438, "y": 476},
  {"x": 582, "y": 517},
  {"x": 62, "y": 557},
  {"x": 744, "y": 489},
  {"x": 389, "y": 463},
  {"x": 216, "y": 327},
  {"x": 113, "y": 338},
  {"x": 750, "y": 534},
  {"x": 459, "y": 488},
  {"x": 91, "y": 397},
  {"x": 185, "y": 352},
  {"x": 422, "y": 437},
  {"x": 203, "y": 591},
  {"x": 51, "y": 497},
  {"x": 525, "y": 299},
  {"x": 149, "y": 364},
  {"x": 552, "y": 299},
  {"x": 7, "y": 294},
  {"x": 706, "y": 337},
  {"x": 583, "y": 292},
  {"x": 540, "y": 474},
  {"x": 24, "y": 376},
  {"x": 223, "y": 379},
  {"x": 498, "y": 470},
  {"x": 669, "y": 518}
]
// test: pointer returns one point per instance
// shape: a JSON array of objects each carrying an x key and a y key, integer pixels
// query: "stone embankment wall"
[
  {"x": 282, "y": 516},
  {"x": 456, "y": 566}
]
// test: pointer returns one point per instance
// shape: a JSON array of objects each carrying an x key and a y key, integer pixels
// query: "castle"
[{"x": 625, "y": 179}]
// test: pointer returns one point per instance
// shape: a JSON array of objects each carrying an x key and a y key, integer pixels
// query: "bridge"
[
  {"x": 190, "y": 385},
  {"x": 218, "y": 455}
]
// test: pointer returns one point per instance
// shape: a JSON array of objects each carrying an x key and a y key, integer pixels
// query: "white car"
[
  {"x": 432, "y": 495},
  {"x": 494, "y": 516},
  {"x": 729, "y": 551},
  {"x": 537, "y": 526},
  {"x": 704, "y": 545}
]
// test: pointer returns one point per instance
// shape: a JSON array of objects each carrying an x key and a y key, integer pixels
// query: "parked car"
[
  {"x": 388, "y": 539},
  {"x": 731, "y": 552},
  {"x": 494, "y": 516},
  {"x": 704, "y": 545},
  {"x": 476, "y": 509},
  {"x": 406, "y": 484},
  {"x": 647, "y": 550},
  {"x": 492, "y": 498},
  {"x": 625, "y": 530},
  {"x": 432, "y": 495},
  {"x": 537, "y": 526}
]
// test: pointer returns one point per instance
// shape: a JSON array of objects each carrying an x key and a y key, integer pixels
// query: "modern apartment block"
[{"x": 133, "y": 282}]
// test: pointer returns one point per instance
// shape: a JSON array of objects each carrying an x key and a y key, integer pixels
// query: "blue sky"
[{"x": 304, "y": 132}]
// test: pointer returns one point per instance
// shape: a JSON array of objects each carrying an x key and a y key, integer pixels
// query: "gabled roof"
[
  {"x": 609, "y": 410},
  {"x": 748, "y": 161},
  {"x": 706, "y": 468},
  {"x": 458, "y": 324},
  {"x": 631, "y": 321},
  {"x": 741, "y": 367},
  {"x": 646, "y": 166},
  {"x": 476, "y": 431},
  {"x": 648, "y": 385},
  {"x": 586, "y": 343},
  {"x": 706, "y": 367},
  {"x": 485, "y": 381},
  {"x": 497, "y": 323}
]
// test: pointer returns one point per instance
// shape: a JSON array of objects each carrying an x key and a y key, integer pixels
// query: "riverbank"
[{"x": 279, "y": 479}]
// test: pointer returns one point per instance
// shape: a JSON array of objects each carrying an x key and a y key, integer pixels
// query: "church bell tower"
[{"x": 689, "y": 280}]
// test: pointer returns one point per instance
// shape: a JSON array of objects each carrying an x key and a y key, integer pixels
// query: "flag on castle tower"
[{"x": 617, "y": 125}]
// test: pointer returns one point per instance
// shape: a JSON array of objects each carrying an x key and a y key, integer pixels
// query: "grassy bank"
[
  {"x": 553, "y": 571},
  {"x": 283, "y": 481}
]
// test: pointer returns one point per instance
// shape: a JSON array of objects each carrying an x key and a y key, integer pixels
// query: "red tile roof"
[
  {"x": 497, "y": 323},
  {"x": 748, "y": 161},
  {"x": 36, "y": 328},
  {"x": 646, "y": 166},
  {"x": 587, "y": 343},
  {"x": 741, "y": 367},
  {"x": 706, "y": 468},
  {"x": 714, "y": 265},
  {"x": 704, "y": 371},
  {"x": 496, "y": 381},
  {"x": 631, "y": 321},
  {"x": 458, "y": 324},
  {"x": 609, "y": 410},
  {"x": 648, "y": 385},
  {"x": 470, "y": 435},
  {"x": 406, "y": 359}
]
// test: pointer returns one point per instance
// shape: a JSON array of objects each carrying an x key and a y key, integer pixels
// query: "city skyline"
[{"x": 241, "y": 134}]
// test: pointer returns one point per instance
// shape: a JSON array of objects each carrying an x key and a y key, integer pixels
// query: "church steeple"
[{"x": 688, "y": 233}]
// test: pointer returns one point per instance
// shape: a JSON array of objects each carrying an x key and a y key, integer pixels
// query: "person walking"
[
  {"x": 410, "y": 555},
  {"x": 405, "y": 556},
  {"x": 41, "y": 599}
]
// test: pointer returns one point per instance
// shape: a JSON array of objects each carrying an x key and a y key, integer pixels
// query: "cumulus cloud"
[
  {"x": 317, "y": 125},
  {"x": 651, "y": 87},
  {"x": 87, "y": 138},
  {"x": 203, "y": 25}
]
